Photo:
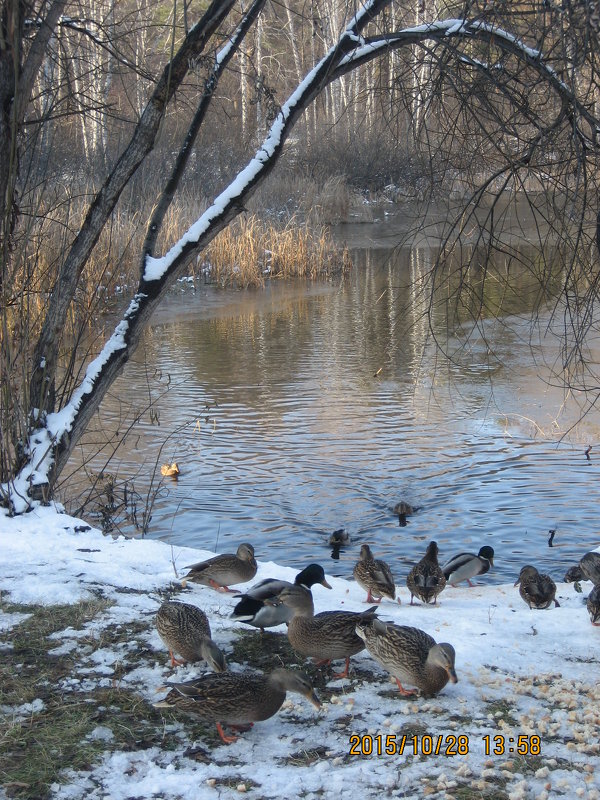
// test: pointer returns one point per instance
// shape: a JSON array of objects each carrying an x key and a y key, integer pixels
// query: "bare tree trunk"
[
  {"x": 42, "y": 388},
  {"x": 17, "y": 77}
]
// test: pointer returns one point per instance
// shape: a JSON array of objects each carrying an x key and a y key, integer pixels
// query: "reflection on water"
[{"x": 295, "y": 412}]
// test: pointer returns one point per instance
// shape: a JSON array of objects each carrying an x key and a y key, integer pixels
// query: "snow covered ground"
[{"x": 521, "y": 673}]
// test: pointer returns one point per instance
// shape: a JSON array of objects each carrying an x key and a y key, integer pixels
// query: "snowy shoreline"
[{"x": 521, "y": 673}]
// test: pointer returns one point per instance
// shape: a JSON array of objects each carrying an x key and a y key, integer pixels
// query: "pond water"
[{"x": 295, "y": 411}]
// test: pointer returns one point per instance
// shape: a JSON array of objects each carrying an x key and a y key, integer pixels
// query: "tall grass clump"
[{"x": 251, "y": 250}]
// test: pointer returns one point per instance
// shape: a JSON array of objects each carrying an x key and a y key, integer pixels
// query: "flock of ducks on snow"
[{"x": 410, "y": 655}]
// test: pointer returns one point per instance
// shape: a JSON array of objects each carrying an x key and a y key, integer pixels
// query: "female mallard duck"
[
  {"x": 404, "y": 510},
  {"x": 185, "y": 630},
  {"x": 465, "y": 566},
  {"x": 410, "y": 655},
  {"x": 537, "y": 590},
  {"x": 326, "y": 636},
  {"x": 593, "y": 605},
  {"x": 339, "y": 538},
  {"x": 253, "y": 610},
  {"x": 222, "y": 570},
  {"x": 426, "y": 579},
  {"x": 374, "y": 576},
  {"x": 236, "y": 699},
  {"x": 588, "y": 569}
]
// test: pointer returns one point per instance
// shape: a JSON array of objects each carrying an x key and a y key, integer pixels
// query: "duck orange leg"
[
  {"x": 371, "y": 599},
  {"x": 343, "y": 674},
  {"x": 175, "y": 662},
  {"x": 220, "y": 588},
  {"x": 224, "y": 737},
  {"x": 404, "y": 691}
]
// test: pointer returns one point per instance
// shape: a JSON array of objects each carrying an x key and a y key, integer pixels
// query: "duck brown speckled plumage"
[
  {"x": 326, "y": 636},
  {"x": 237, "y": 699},
  {"x": 588, "y": 569},
  {"x": 593, "y": 605},
  {"x": 185, "y": 630},
  {"x": 537, "y": 589},
  {"x": 426, "y": 579},
  {"x": 228, "y": 568},
  {"x": 374, "y": 576},
  {"x": 410, "y": 655}
]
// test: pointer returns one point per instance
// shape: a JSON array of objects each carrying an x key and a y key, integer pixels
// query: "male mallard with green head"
[
  {"x": 464, "y": 566},
  {"x": 410, "y": 655},
  {"x": 253, "y": 608},
  {"x": 236, "y": 699},
  {"x": 228, "y": 568}
]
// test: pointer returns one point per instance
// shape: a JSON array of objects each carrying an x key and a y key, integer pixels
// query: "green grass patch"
[
  {"x": 28, "y": 670},
  {"x": 34, "y": 751}
]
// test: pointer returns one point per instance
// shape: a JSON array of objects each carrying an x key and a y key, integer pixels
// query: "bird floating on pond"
[{"x": 170, "y": 470}]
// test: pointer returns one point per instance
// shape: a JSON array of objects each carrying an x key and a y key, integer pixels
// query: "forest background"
[{"x": 111, "y": 153}]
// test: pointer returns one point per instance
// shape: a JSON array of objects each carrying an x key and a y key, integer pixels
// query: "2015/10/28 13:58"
[{"x": 440, "y": 744}]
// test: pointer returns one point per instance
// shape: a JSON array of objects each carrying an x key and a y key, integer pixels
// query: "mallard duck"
[
  {"x": 222, "y": 570},
  {"x": 253, "y": 610},
  {"x": 404, "y": 510},
  {"x": 465, "y": 566},
  {"x": 593, "y": 605},
  {"x": 588, "y": 569},
  {"x": 170, "y": 470},
  {"x": 327, "y": 636},
  {"x": 236, "y": 699},
  {"x": 374, "y": 576},
  {"x": 426, "y": 579},
  {"x": 537, "y": 590},
  {"x": 410, "y": 655},
  {"x": 339, "y": 538},
  {"x": 185, "y": 630}
]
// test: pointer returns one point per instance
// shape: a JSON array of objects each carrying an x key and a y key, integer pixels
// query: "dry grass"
[{"x": 250, "y": 251}]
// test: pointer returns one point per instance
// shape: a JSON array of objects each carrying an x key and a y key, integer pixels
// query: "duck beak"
[
  {"x": 517, "y": 582},
  {"x": 312, "y": 698},
  {"x": 452, "y": 674},
  {"x": 325, "y": 584},
  {"x": 491, "y": 560}
]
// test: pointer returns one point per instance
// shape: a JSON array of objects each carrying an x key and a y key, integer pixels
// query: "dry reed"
[{"x": 250, "y": 251}]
